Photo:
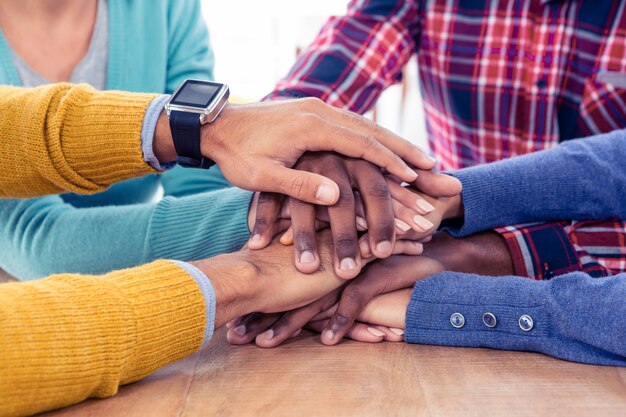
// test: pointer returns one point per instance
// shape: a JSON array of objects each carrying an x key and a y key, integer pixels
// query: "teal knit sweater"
[{"x": 153, "y": 46}]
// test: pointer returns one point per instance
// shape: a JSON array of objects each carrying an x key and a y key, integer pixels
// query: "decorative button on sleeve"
[
  {"x": 526, "y": 323},
  {"x": 490, "y": 320},
  {"x": 457, "y": 320}
]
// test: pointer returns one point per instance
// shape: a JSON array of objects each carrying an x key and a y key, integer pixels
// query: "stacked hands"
[
  {"x": 377, "y": 224},
  {"x": 376, "y": 229}
]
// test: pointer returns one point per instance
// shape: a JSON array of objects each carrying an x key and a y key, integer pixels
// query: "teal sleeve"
[
  {"x": 189, "y": 56},
  {"x": 40, "y": 237},
  {"x": 189, "y": 50}
]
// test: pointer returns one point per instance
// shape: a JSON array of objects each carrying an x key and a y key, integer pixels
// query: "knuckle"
[
  {"x": 345, "y": 241},
  {"x": 378, "y": 189},
  {"x": 368, "y": 142},
  {"x": 300, "y": 185},
  {"x": 353, "y": 295},
  {"x": 266, "y": 198},
  {"x": 311, "y": 102},
  {"x": 302, "y": 240},
  {"x": 346, "y": 196}
]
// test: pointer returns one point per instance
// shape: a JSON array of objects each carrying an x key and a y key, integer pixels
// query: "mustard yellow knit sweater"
[{"x": 70, "y": 337}]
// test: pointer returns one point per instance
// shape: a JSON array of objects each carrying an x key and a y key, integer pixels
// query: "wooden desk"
[{"x": 304, "y": 378}]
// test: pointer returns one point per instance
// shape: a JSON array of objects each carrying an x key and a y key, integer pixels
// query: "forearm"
[
  {"x": 581, "y": 180},
  {"x": 64, "y": 137},
  {"x": 356, "y": 56},
  {"x": 565, "y": 324},
  {"x": 124, "y": 326}
]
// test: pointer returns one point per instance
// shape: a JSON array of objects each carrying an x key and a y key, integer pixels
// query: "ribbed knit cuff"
[
  {"x": 480, "y": 197},
  {"x": 200, "y": 226},
  {"x": 435, "y": 300},
  {"x": 100, "y": 138}
]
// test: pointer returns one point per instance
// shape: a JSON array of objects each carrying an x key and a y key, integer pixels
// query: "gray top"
[{"x": 92, "y": 69}]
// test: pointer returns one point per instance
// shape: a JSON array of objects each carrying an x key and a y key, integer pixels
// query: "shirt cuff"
[
  {"x": 455, "y": 309},
  {"x": 209, "y": 297},
  {"x": 541, "y": 250},
  {"x": 150, "y": 119}
]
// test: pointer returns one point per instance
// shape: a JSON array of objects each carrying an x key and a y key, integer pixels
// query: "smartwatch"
[{"x": 195, "y": 103}]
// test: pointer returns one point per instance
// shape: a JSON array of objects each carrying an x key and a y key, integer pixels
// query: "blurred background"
[{"x": 256, "y": 48}]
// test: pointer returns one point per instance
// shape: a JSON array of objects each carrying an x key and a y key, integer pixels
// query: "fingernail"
[
  {"x": 384, "y": 246},
  {"x": 267, "y": 334},
  {"x": 422, "y": 222},
  {"x": 240, "y": 330},
  {"x": 255, "y": 239},
  {"x": 375, "y": 332},
  {"x": 402, "y": 225},
  {"x": 411, "y": 174},
  {"x": 399, "y": 332},
  {"x": 296, "y": 333},
  {"x": 325, "y": 194},
  {"x": 307, "y": 257},
  {"x": 347, "y": 264},
  {"x": 329, "y": 335},
  {"x": 425, "y": 205},
  {"x": 432, "y": 159},
  {"x": 360, "y": 221}
]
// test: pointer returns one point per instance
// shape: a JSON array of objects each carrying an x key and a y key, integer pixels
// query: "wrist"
[
  {"x": 453, "y": 207},
  {"x": 162, "y": 143},
  {"x": 232, "y": 280},
  {"x": 484, "y": 253},
  {"x": 213, "y": 136}
]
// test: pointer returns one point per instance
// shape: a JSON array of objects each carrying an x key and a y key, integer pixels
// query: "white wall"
[{"x": 256, "y": 41}]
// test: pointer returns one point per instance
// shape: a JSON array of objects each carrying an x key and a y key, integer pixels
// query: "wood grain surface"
[{"x": 304, "y": 378}]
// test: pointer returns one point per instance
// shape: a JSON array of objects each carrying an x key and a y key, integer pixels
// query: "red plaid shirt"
[{"x": 499, "y": 78}]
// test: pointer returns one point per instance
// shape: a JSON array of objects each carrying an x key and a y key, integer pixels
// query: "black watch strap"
[{"x": 185, "y": 128}]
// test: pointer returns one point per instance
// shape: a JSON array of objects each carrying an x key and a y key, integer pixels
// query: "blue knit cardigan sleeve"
[{"x": 574, "y": 316}]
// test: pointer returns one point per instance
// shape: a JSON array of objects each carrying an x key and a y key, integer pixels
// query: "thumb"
[{"x": 301, "y": 185}]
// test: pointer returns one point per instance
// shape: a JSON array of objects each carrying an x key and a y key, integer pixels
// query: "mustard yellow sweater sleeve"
[
  {"x": 64, "y": 137},
  {"x": 69, "y": 337}
]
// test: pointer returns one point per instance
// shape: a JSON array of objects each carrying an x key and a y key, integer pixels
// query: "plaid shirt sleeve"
[
  {"x": 356, "y": 56},
  {"x": 545, "y": 250}
]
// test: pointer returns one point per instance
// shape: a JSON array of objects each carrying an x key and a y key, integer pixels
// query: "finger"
[
  {"x": 375, "y": 280},
  {"x": 374, "y": 192},
  {"x": 402, "y": 247},
  {"x": 408, "y": 198},
  {"x": 438, "y": 185},
  {"x": 409, "y": 217},
  {"x": 287, "y": 237},
  {"x": 359, "y": 143},
  {"x": 291, "y": 321},
  {"x": 249, "y": 327},
  {"x": 358, "y": 332},
  {"x": 400, "y": 147},
  {"x": 307, "y": 258},
  {"x": 267, "y": 210},
  {"x": 301, "y": 185},
  {"x": 388, "y": 334},
  {"x": 343, "y": 228}
]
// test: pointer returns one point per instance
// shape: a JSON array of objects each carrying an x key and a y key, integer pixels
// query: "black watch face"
[{"x": 196, "y": 94}]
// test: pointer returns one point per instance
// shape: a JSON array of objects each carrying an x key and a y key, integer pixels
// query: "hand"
[
  {"x": 365, "y": 199},
  {"x": 352, "y": 176},
  {"x": 484, "y": 253},
  {"x": 383, "y": 318},
  {"x": 267, "y": 281},
  {"x": 256, "y": 145},
  {"x": 437, "y": 197}
]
